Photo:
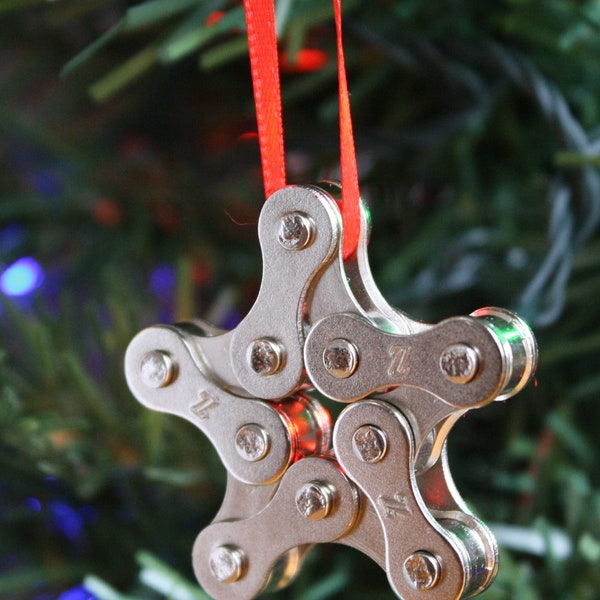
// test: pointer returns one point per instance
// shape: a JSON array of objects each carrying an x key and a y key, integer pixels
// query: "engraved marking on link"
[
  {"x": 398, "y": 366},
  {"x": 202, "y": 409},
  {"x": 394, "y": 506}
]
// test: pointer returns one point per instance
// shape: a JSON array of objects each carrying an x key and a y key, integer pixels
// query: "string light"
[
  {"x": 77, "y": 593},
  {"x": 163, "y": 280},
  {"x": 306, "y": 60},
  {"x": 22, "y": 277}
]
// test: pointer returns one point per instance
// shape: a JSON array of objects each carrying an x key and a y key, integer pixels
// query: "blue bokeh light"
[
  {"x": 77, "y": 593},
  {"x": 22, "y": 277},
  {"x": 71, "y": 521},
  {"x": 33, "y": 504},
  {"x": 66, "y": 519},
  {"x": 231, "y": 319},
  {"x": 162, "y": 281}
]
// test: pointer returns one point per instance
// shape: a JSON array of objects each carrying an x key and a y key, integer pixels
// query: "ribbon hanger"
[{"x": 264, "y": 63}]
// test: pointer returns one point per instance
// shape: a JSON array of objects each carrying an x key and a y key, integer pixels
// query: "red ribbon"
[
  {"x": 349, "y": 172},
  {"x": 262, "y": 43}
]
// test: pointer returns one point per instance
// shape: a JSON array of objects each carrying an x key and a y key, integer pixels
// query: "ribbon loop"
[{"x": 264, "y": 63}]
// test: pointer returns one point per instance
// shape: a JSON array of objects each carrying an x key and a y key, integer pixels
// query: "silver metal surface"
[
  {"x": 212, "y": 409},
  {"x": 389, "y": 360},
  {"x": 340, "y": 358},
  {"x": 265, "y": 356},
  {"x": 314, "y": 500},
  {"x": 319, "y": 321},
  {"x": 517, "y": 343},
  {"x": 290, "y": 529},
  {"x": 278, "y": 312},
  {"x": 157, "y": 369},
  {"x": 391, "y": 487},
  {"x": 348, "y": 285},
  {"x": 242, "y": 500},
  {"x": 295, "y": 231},
  {"x": 459, "y": 363},
  {"x": 369, "y": 443},
  {"x": 422, "y": 570},
  {"x": 226, "y": 563},
  {"x": 252, "y": 442},
  {"x": 445, "y": 503}
]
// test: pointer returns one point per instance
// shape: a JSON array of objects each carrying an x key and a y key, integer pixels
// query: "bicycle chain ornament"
[{"x": 378, "y": 478}]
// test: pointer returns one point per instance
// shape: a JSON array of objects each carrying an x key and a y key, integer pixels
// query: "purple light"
[
  {"x": 77, "y": 593},
  {"x": 231, "y": 319},
  {"x": 22, "y": 277},
  {"x": 162, "y": 281},
  {"x": 67, "y": 519},
  {"x": 33, "y": 504}
]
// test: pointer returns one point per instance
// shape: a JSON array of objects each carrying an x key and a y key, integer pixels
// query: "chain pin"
[
  {"x": 340, "y": 358},
  {"x": 459, "y": 363},
  {"x": 157, "y": 369},
  {"x": 314, "y": 500},
  {"x": 265, "y": 357},
  {"x": 369, "y": 443},
  {"x": 295, "y": 231},
  {"x": 226, "y": 563},
  {"x": 252, "y": 442},
  {"x": 422, "y": 570}
]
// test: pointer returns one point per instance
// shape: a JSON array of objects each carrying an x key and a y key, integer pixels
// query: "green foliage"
[{"x": 477, "y": 136}]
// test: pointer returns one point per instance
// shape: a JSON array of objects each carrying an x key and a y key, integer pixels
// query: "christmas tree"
[{"x": 129, "y": 196}]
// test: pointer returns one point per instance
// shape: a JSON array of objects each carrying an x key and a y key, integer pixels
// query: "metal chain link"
[{"x": 384, "y": 485}]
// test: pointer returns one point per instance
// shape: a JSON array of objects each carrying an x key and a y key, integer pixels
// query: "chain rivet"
[
  {"x": 422, "y": 570},
  {"x": 157, "y": 369},
  {"x": 295, "y": 231},
  {"x": 265, "y": 356},
  {"x": 369, "y": 443},
  {"x": 226, "y": 563},
  {"x": 459, "y": 363},
  {"x": 252, "y": 442},
  {"x": 340, "y": 358},
  {"x": 315, "y": 500}
]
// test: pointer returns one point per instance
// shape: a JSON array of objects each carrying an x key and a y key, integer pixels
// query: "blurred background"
[{"x": 130, "y": 188}]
